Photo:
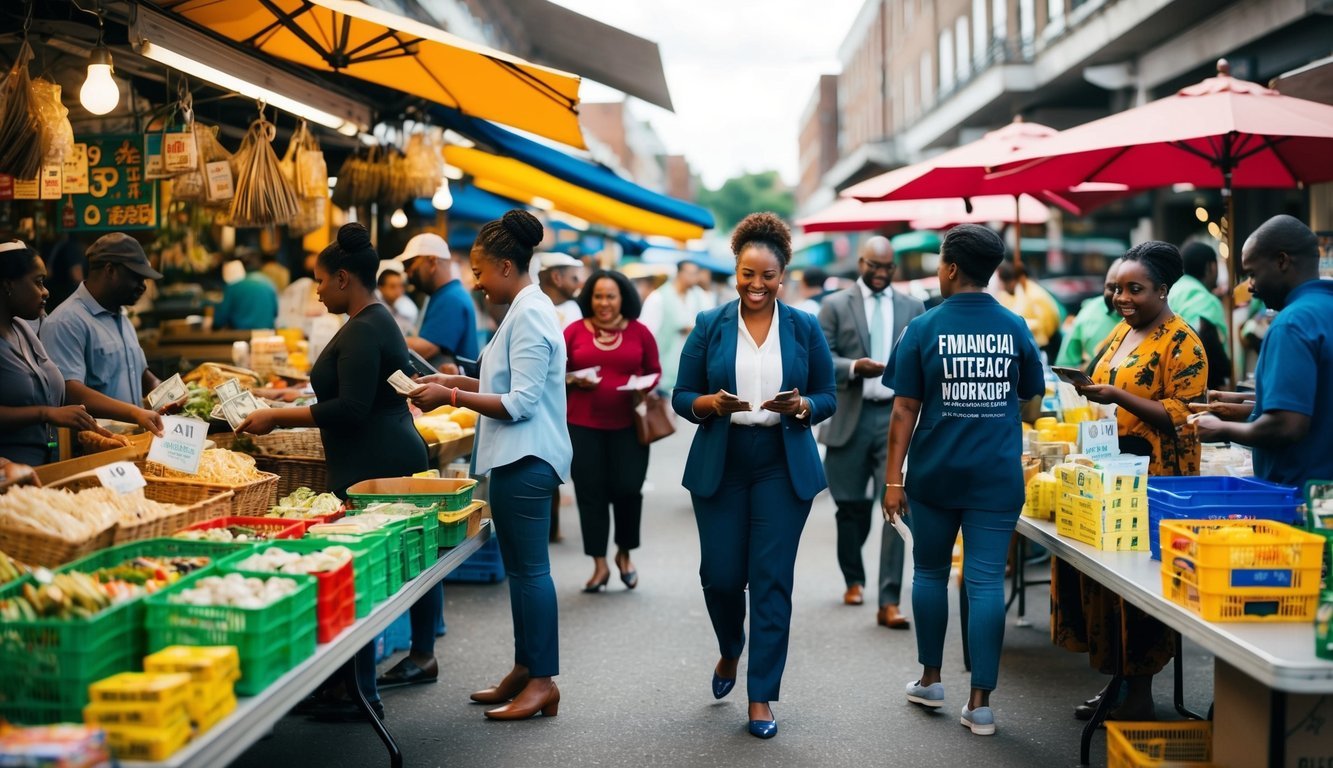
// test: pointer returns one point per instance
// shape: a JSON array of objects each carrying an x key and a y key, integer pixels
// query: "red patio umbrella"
[
  {"x": 1222, "y": 133},
  {"x": 847, "y": 215}
]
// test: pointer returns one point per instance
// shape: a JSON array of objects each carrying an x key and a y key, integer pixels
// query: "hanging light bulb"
[
  {"x": 398, "y": 219},
  {"x": 99, "y": 94},
  {"x": 443, "y": 198}
]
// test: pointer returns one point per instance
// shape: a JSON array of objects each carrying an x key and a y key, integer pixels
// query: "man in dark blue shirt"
[
  {"x": 448, "y": 327},
  {"x": 1290, "y": 426}
]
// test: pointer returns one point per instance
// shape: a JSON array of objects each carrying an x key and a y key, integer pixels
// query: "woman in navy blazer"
[{"x": 755, "y": 375}]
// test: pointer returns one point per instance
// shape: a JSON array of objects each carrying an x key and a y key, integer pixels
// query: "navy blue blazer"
[{"x": 708, "y": 363}]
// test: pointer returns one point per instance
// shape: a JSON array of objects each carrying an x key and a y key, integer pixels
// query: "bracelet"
[
  {"x": 453, "y": 397},
  {"x": 894, "y": 485},
  {"x": 695, "y": 413}
]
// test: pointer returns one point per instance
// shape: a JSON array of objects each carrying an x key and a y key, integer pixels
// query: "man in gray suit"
[{"x": 861, "y": 325}]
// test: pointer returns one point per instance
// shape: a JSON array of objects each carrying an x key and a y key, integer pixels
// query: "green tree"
[{"x": 746, "y": 194}]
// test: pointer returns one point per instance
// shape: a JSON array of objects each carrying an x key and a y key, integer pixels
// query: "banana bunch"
[
  {"x": 72, "y": 595},
  {"x": 10, "y": 568}
]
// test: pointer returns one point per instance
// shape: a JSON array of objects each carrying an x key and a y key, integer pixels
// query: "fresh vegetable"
[
  {"x": 228, "y": 533},
  {"x": 304, "y": 503},
  {"x": 10, "y": 569},
  {"x": 200, "y": 403},
  {"x": 282, "y": 561},
  {"x": 236, "y": 591}
]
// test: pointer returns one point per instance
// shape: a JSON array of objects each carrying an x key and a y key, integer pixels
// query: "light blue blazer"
[{"x": 708, "y": 363}]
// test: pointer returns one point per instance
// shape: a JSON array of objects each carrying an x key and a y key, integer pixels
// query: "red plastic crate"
[
  {"x": 335, "y": 608},
  {"x": 273, "y": 527},
  {"x": 306, "y": 522}
]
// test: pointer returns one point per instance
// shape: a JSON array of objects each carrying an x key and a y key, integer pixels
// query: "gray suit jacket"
[{"x": 842, "y": 317}]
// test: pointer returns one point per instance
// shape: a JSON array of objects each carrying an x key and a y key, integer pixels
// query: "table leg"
[
  {"x": 1179, "y": 694},
  {"x": 1109, "y": 696},
  {"x": 359, "y": 698},
  {"x": 1277, "y": 728}
]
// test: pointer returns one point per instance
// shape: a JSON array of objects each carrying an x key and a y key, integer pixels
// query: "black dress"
[{"x": 364, "y": 424}]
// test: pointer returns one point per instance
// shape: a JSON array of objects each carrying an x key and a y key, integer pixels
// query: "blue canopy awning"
[
  {"x": 590, "y": 176},
  {"x": 470, "y": 204}
]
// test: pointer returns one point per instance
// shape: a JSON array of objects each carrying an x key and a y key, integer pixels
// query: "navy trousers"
[
  {"x": 521, "y": 508},
  {"x": 748, "y": 534}
]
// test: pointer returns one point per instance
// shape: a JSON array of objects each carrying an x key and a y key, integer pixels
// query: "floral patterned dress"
[{"x": 1169, "y": 367}]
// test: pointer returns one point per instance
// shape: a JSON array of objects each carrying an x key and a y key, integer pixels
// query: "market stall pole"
[
  {"x": 256, "y": 715},
  {"x": 1221, "y": 133},
  {"x": 1264, "y": 673}
]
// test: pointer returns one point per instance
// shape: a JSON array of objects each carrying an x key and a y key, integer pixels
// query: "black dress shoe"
[
  {"x": 405, "y": 672},
  {"x": 1087, "y": 709}
]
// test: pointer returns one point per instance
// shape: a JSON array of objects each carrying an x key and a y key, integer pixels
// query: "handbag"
[{"x": 652, "y": 419}]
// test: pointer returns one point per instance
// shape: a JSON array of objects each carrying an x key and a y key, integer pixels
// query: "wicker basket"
[
  {"x": 296, "y": 456},
  {"x": 41, "y": 548},
  {"x": 199, "y": 502},
  {"x": 251, "y": 499}
]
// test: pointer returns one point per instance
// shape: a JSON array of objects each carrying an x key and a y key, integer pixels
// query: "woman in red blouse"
[{"x": 609, "y": 463}]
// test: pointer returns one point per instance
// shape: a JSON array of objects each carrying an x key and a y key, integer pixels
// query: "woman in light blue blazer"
[
  {"x": 755, "y": 375},
  {"x": 522, "y": 442}
]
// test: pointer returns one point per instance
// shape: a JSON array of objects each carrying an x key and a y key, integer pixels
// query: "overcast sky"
[{"x": 740, "y": 72}]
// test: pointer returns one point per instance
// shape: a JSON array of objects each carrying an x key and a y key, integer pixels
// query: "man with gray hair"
[{"x": 861, "y": 324}]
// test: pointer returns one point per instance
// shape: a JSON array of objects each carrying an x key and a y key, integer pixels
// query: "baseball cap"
[
  {"x": 120, "y": 248},
  {"x": 389, "y": 265},
  {"x": 425, "y": 244},
  {"x": 554, "y": 260}
]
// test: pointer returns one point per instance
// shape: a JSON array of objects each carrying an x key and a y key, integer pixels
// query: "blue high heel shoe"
[
  {"x": 764, "y": 729},
  {"x": 722, "y": 685}
]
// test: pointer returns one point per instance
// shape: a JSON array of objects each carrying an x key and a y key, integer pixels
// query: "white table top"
[
  {"x": 1279, "y": 655},
  {"x": 254, "y": 716}
]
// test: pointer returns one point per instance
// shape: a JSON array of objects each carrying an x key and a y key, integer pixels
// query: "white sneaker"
[
  {"x": 926, "y": 695},
  {"x": 981, "y": 720}
]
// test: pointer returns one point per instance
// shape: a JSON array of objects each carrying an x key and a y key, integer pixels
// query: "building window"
[
  {"x": 927, "y": 82},
  {"x": 946, "y": 58},
  {"x": 979, "y": 33},
  {"x": 909, "y": 104},
  {"x": 964, "y": 63},
  {"x": 1027, "y": 26}
]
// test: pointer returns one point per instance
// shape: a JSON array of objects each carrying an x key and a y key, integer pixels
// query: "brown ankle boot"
[
  {"x": 505, "y": 690},
  {"x": 530, "y": 701}
]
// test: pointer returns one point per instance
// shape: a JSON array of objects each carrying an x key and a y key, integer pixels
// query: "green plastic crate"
[
  {"x": 450, "y": 494},
  {"x": 261, "y": 635},
  {"x": 46, "y": 665},
  {"x": 368, "y": 556}
]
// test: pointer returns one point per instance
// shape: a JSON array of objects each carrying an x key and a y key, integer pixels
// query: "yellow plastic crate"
[
  {"x": 1187, "y": 744},
  {"x": 132, "y": 714},
  {"x": 205, "y": 696},
  {"x": 1271, "y": 545},
  {"x": 215, "y": 713},
  {"x": 151, "y": 744},
  {"x": 1273, "y": 606},
  {"x": 204, "y": 663},
  {"x": 151, "y": 688},
  {"x": 1090, "y": 531},
  {"x": 1246, "y": 581}
]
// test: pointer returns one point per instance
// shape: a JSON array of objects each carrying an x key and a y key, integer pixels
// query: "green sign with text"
[{"x": 119, "y": 198}]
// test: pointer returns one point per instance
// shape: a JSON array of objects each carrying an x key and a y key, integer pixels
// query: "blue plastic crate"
[
  {"x": 483, "y": 567},
  {"x": 398, "y": 637},
  {"x": 1217, "y": 498}
]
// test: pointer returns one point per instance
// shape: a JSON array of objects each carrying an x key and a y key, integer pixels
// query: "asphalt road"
[{"x": 636, "y": 665}]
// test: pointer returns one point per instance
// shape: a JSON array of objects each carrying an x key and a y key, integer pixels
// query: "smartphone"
[
  {"x": 468, "y": 367},
  {"x": 1072, "y": 375},
  {"x": 420, "y": 365},
  {"x": 789, "y": 394}
]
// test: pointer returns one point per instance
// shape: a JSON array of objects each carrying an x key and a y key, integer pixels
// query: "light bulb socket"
[{"x": 101, "y": 55}]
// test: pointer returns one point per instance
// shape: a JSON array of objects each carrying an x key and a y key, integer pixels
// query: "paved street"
[{"x": 636, "y": 669}]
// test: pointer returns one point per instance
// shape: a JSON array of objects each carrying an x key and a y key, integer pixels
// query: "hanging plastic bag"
[{"x": 20, "y": 130}]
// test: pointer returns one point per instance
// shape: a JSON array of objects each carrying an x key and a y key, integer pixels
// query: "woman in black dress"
[{"x": 365, "y": 426}]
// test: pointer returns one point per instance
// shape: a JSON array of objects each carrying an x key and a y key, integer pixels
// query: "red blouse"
[{"x": 604, "y": 407}]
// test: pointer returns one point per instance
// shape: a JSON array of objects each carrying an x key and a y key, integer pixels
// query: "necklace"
[{"x": 607, "y": 339}]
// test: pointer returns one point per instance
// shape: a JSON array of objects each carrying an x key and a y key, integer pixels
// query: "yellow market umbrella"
[
  {"x": 519, "y": 181},
  {"x": 396, "y": 52}
]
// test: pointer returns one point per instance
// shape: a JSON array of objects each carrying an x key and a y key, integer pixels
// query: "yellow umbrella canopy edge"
[{"x": 399, "y": 53}]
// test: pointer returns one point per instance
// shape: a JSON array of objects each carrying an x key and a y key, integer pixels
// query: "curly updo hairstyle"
[
  {"x": 512, "y": 236},
  {"x": 353, "y": 252},
  {"x": 767, "y": 230},
  {"x": 976, "y": 250},
  {"x": 1162, "y": 261}
]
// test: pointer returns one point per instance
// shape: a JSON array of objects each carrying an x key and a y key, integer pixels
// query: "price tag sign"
[
  {"x": 1099, "y": 439},
  {"x": 181, "y": 445},
  {"x": 121, "y": 477}
]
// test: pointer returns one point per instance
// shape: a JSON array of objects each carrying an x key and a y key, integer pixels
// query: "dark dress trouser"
[
  {"x": 749, "y": 531},
  {"x": 608, "y": 469}
]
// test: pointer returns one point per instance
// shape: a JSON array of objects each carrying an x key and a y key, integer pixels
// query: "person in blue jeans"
[
  {"x": 522, "y": 442},
  {"x": 960, "y": 373}
]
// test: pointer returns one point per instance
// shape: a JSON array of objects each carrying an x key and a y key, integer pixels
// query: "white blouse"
[{"x": 758, "y": 373}]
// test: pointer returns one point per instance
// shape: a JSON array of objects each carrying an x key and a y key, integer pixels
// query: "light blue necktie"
[{"x": 879, "y": 347}]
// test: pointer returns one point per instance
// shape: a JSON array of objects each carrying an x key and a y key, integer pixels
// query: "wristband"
[
  {"x": 894, "y": 485},
  {"x": 453, "y": 397}
]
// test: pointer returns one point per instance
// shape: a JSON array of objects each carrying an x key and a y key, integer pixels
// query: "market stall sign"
[{"x": 119, "y": 198}]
